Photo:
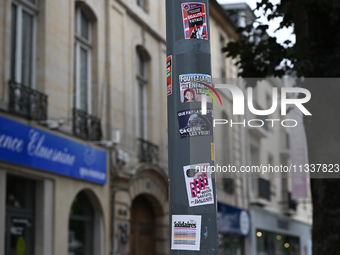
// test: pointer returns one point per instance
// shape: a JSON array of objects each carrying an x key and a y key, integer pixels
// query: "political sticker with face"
[
  {"x": 198, "y": 184},
  {"x": 192, "y": 123},
  {"x": 192, "y": 86},
  {"x": 194, "y": 21},
  {"x": 186, "y": 232},
  {"x": 169, "y": 74}
]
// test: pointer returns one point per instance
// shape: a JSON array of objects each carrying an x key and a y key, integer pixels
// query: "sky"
[{"x": 282, "y": 35}]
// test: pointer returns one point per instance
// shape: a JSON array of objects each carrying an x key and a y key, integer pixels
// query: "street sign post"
[{"x": 193, "y": 211}]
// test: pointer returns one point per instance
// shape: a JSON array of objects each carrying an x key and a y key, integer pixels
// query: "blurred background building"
[{"x": 83, "y": 136}]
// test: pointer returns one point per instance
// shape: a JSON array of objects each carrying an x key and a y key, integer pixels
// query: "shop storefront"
[
  {"x": 54, "y": 196},
  {"x": 276, "y": 243},
  {"x": 274, "y": 234},
  {"x": 233, "y": 228}
]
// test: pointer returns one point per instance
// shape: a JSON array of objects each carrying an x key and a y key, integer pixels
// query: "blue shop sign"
[
  {"x": 32, "y": 147},
  {"x": 232, "y": 220}
]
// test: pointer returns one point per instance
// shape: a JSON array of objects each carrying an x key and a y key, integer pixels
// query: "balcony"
[
  {"x": 86, "y": 126},
  {"x": 289, "y": 205},
  {"x": 261, "y": 192},
  {"x": 148, "y": 152},
  {"x": 27, "y": 102}
]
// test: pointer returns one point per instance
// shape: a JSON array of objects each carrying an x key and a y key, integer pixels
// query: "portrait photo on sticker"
[{"x": 193, "y": 86}]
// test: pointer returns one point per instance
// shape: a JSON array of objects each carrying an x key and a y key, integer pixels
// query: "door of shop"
[
  {"x": 142, "y": 239},
  {"x": 19, "y": 234},
  {"x": 20, "y": 203}
]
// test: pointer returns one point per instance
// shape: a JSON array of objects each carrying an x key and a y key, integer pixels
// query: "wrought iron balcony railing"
[
  {"x": 148, "y": 152},
  {"x": 27, "y": 102},
  {"x": 86, "y": 126}
]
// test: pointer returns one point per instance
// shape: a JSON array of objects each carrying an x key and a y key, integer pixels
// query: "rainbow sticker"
[
  {"x": 185, "y": 236},
  {"x": 186, "y": 231}
]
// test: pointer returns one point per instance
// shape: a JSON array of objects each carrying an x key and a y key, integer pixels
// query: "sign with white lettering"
[
  {"x": 32, "y": 147},
  {"x": 233, "y": 220}
]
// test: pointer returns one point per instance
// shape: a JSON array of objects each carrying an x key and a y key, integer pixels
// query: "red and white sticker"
[
  {"x": 169, "y": 75},
  {"x": 194, "y": 21}
]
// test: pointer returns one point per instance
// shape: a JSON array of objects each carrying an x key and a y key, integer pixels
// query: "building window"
[
  {"x": 81, "y": 226},
  {"x": 226, "y": 142},
  {"x": 143, "y": 4},
  {"x": 85, "y": 124},
  {"x": 264, "y": 189},
  {"x": 229, "y": 185},
  {"x": 223, "y": 66},
  {"x": 82, "y": 59},
  {"x": 254, "y": 161},
  {"x": 142, "y": 81},
  {"x": 23, "y": 40}
]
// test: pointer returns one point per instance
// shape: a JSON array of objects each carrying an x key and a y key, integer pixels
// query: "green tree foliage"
[{"x": 316, "y": 53}]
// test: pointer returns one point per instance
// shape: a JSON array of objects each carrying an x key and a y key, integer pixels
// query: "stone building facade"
[{"x": 83, "y": 129}]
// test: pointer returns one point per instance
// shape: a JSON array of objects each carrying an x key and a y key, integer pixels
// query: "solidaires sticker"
[
  {"x": 198, "y": 184},
  {"x": 186, "y": 232}
]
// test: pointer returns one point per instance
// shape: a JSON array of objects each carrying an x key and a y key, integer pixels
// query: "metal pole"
[{"x": 193, "y": 217}]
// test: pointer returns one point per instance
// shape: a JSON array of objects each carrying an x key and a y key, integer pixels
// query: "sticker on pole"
[
  {"x": 194, "y": 21},
  {"x": 169, "y": 74},
  {"x": 198, "y": 184},
  {"x": 192, "y": 123},
  {"x": 186, "y": 232},
  {"x": 193, "y": 86},
  {"x": 212, "y": 152}
]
